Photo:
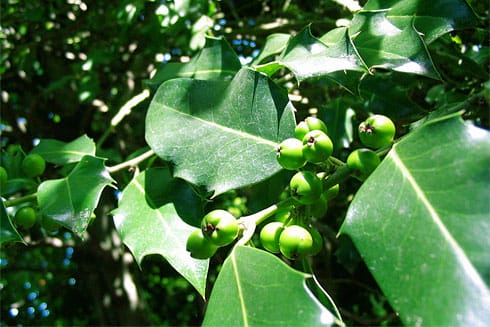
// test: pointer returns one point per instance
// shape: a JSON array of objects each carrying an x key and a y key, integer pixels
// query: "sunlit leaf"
[
  {"x": 221, "y": 135},
  {"x": 150, "y": 220},
  {"x": 308, "y": 57},
  {"x": 71, "y": 200},
  {"x": 255, "y": 288},
  {"x": 421, "y": 224},
  {"x": 382, "y": 44},
  {"x": 62, "y": 153},
  {"x": 432, "y": 18},
  {"x": 216, "y": 60}
]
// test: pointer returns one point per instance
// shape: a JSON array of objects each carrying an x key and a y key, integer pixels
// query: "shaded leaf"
[
  {"x": 216, "y": 60},
  {"x": 428, "y": 249},
  {"x": 62, "y": 153},
  {"x": 149, "y": 221},
  {"x": 8, "y": 233},
  {"x": 255, "y": 288},
  {"x": 71, "y": 200},
  {"x": 221, "y": 135}
]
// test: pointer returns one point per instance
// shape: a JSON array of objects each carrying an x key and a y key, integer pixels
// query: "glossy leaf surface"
[
  {"x": 307, "y": 56},
  {"x": 8, "y": 233},
  {"x": 221, "y": 135},
  {"x": 255, "y": 288},
  {"x": 150, "y": 220},
  {"x": 71, "y": 200},
  {"x": 431, "y": 18},
  {"x": 62, "y": 153},
  {"x": 428, "y": 249}
]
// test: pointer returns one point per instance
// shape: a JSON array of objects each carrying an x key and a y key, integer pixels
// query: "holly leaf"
[
  {"x": 255, "y": 288},
  {"x": 150, "y": 220},
  {"x": 308, "y": 57},
  {"x": 430, "y": 194},
  {"x": 216, "y": 60},
  {"x": 62, "y": 153},
  {"x": 220, "y": 135},
  {"x": 71, "y": 200},
  {"x": 382, "y": 44},
  {"x": 8, "y": 233},
  {"x": 274, "y": 45},
  {"x": 431, "y": 18}
]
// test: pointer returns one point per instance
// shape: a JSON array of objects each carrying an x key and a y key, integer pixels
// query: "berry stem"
[
  {"x": 249, "y": 223},
  {"x": 123, "y": 112},
  {"x": 133, "y": 162},
  {"x": 26, "y": 198}
]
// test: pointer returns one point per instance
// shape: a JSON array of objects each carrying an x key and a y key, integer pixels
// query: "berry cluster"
[
  {"x": 218, "y": 228},
  {"x": 32, "y": 167},
  {"x": 291, "y": 233}
]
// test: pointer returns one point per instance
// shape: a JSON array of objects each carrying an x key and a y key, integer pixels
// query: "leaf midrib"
[
  {"x": 241, "y": 134},
  {"x": 459, "y": 253}
]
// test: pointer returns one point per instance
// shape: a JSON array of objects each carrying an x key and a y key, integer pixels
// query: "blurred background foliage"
[{"x": 67, "y": 66}]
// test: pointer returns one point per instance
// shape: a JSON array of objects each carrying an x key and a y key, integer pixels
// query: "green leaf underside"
[
  {"x": 436, "y": 182},
  {"x": 432, "y": 18},
  {"x": 62, "y": 153},
  {"x": 216, "y": 60},
  {"x": 71, "y": 200},
  {"x": 308, "y": 57},
  {"x": 149, "y": 223},
  {"x": 8, "y": 233},
  {"x": 255, "y": 288},
  {"x": 221, "y": 135}
]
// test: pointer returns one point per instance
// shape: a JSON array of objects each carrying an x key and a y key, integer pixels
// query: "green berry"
[
  {"x": 317, "y": 146},
  {"x": 25, "y": 217},
  {"x": 33, "y": 165},
  {"x": 308, "y": 125},
  {"x": 199, "y": 246},
  {"x": 317, "y": 241},
  {"x": 295, "y": 242},
  {"x": 305, "y": 187},
  {"x": 220, "y": 227},
  {"x": 362, "y": 163},
  {"x": 377, "y": 131},
  {"x": 290, "y": 154},
  {"x": 319, "y": 208},
  {"x": 269, "y": 236}
]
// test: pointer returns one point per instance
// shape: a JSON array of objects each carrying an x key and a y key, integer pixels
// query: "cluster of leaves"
[{"x": 216, "y": 125}]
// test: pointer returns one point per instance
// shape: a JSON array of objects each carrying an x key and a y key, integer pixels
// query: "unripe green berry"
[
  {"x": 269, "y": 236},
  {"x": 33, "y": 165},
  {"x": 199, "y": 246},
  {"x": 305, "y": 187},
  {"x": 295, "y": 242},
  {"x": 309, "y": 124},
  {"x": 220, "y": 227},
  {"x": 377, "y": 131},
  {"x": 290, "y": 154},
  {"x": 317, "y": 146},
  {"x": 362, "y": 162},
  {"x": 25, "y": 217}
]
